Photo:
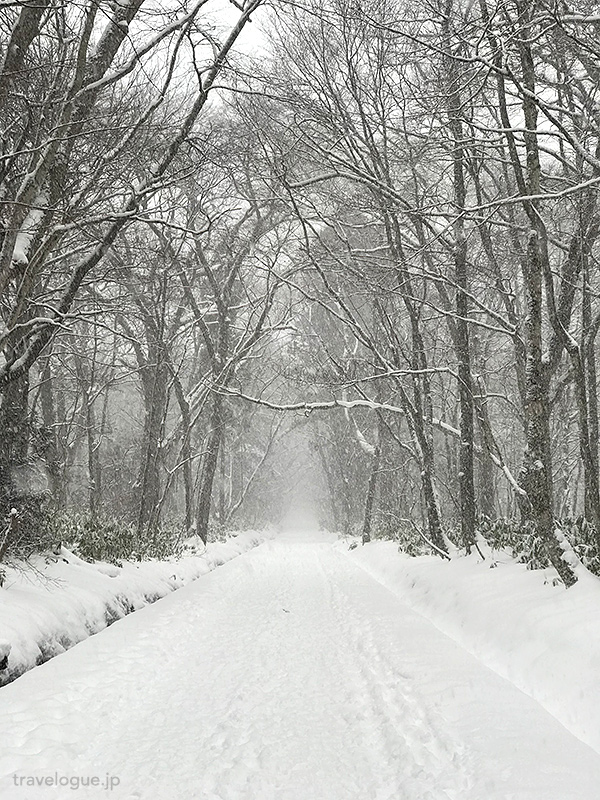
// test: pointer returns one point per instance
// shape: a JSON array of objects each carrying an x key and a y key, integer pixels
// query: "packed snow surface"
[{"x": 289, "y": 673}]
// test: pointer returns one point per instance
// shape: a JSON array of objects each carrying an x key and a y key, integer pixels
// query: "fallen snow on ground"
[
  {"x": 287, "y": 674},
  {"x": 522, "y": 624},
  {"x": 59, "y": 600}
]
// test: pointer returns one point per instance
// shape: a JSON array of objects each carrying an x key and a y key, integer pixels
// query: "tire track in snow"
[
  {"x": 322, "y": 668},
  {"x": 410, "y": 745}
]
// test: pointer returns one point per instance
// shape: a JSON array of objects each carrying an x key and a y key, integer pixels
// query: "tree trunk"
[
  {"x": 466, "y": 483},
  {"x": 15, "y": 491},
  {"x": 185, "y": 451},
  {"x": 54, "y": 454},
  {"x": 536, "y": 472},
  {"x": 486, "y": 501},
  {"x": 14, "y": 439},
  {"x": 586, "y": 450},
  {"x": 155, "y": 401},
  {"x": 93, "y": 454},
  {"x": 588, "y": 375},
  {"x": 371, "y": 491},
  {"x": 209, "y": 467}
]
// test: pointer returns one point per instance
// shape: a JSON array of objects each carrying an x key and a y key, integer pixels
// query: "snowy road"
[{"x": 286, "y": 674}]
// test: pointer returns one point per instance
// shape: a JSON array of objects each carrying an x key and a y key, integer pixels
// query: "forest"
[{"x": 339, "y": 256}]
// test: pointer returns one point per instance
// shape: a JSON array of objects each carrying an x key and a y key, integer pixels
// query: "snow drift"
[
  {"x": 59, "y": 600},
  {"x": 521, "y": 623}
]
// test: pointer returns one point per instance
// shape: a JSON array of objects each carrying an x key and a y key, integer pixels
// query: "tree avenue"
[{"x": 350, "y": 257}]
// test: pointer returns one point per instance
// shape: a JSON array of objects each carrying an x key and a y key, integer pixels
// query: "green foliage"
[
  {"x": 520, "y": 540},
  {"x": 509, "y": 535},
  {"x": 217, "y": 532},
  {"x": 517, "y": 538},
  {"x": 28, "y": 533},
  {"x": 403, "y": 532},
  {"x": 113, "y": 540}
]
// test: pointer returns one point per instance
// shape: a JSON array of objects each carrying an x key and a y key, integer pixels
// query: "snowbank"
[
  {"x": 60, "y": 600},
  {"x": 543, "y": 638}
]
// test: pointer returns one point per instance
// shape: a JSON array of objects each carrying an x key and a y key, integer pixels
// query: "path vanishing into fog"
[{"x": 286, "y": 674}]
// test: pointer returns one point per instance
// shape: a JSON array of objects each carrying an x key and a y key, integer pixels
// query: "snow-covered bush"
[
  {"x": 519, "y": 539},
  {"x": 583, "y": 539},
  {"x": 515, "y": 537},
  {"x": 25, "y": 530},
  {"x": 406, "y": 534},
  {"x": 5, "y": 648},
  {"x": 503, "y": 535},
  {"x": 113, "y": 540}
]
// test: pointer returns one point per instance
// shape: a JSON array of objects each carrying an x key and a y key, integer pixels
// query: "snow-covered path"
[{"x": 286, "y": 674}]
